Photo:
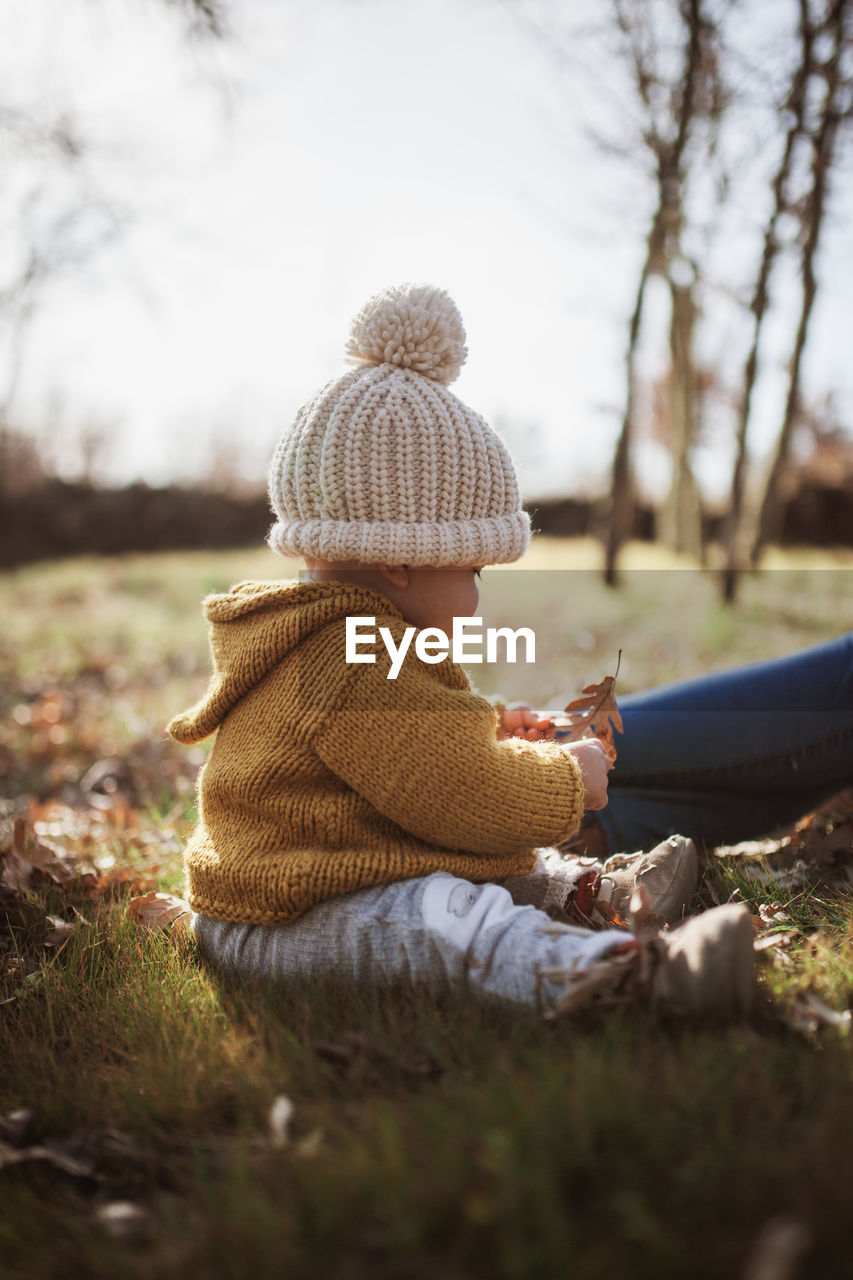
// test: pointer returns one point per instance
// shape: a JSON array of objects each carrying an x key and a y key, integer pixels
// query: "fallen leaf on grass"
[
  {"x": 826, "y": 835},
  {"x": 30, "y": 857},
  {"x": 159, "y": 912},
  {"x": 609, "y": 914},
  {"x": 773, "y": 913},
  {"x": 784, "y": 877},
  {"x": 51, "y": 1155},
  {"x": 82, "y": 822},
  {"x": 773, "y": 940},
  {"x": 820, "y": 845},
  {"x": 751, "y": 849},
  {"x": 25, "y": 859},
  {"x": 126, "y": 880},
  {"x": 778, "y": 1249},
  {"x": 580, "y": 989},
  {"x": 281, "y": 1114},
  {"x": 15, "y": 1125},
  {"x": 122, "y": 1219},
  {"x": 808, "y": 1012},
  {"x": 339, "y": 1055},
  {"x": 310, "y": 1145},
  {"x": 60, "y": 931},
  {"x": 356, "y": 1047}
]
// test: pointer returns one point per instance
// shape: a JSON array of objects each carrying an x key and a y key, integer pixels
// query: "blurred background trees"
[
  {"x": 56, "y": 217},
  {"x": 679, "y": 115},
  {"x": 733, "y": 118},
  {"x": 826, "y": 72}
]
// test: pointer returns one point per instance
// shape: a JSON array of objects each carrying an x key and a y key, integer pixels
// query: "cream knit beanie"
[{"x": 385, "y": 464}]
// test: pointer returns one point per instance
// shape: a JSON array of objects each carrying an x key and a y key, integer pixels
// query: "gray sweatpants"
[{"x": 436, "y": 931}]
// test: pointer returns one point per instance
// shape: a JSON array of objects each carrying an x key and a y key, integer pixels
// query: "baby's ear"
[{"x": 396, "y": 574}]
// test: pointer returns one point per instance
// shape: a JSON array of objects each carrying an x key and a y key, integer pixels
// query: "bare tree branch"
[
  {"x": 823, "y": 154},
  {"x": 206, "y": 17},
  {"x": 689, "y": 95},
  {"x": 66, "y": 218},
  {"x": 795, "y": 103}
]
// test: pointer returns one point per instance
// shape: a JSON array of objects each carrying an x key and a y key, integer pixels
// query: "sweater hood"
[{"x": 253, "y": 627}]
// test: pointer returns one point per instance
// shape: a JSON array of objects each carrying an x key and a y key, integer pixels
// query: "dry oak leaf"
[
  {"x": 116, "y": 880},
  {"x": 27, "y": 859},
  {"x": 159, "y": 912},
  {"x": 595, "y": 714},
  {"x": 60, "y": 931}
]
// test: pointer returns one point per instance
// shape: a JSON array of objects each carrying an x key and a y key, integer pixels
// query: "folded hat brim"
[{"x": 437, "y": 544}]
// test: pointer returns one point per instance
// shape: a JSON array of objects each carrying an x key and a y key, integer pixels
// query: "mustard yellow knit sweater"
[{"x": 327, "y": 777}]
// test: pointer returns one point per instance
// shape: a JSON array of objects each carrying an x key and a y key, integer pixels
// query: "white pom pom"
[{"x": 414, "y": 326}]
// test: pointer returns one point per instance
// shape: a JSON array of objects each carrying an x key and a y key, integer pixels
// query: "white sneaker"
[
  {"x": 669, "y": 874},
  {"x": 704, "y": 968}
]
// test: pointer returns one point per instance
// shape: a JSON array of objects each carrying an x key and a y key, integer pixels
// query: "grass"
[{"x": 429, "y": 1138}]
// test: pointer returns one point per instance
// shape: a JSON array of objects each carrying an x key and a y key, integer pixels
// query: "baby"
[{"x": 374, "y": 817}]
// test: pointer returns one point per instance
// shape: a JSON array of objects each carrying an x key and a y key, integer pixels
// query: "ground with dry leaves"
[{"x": 153, "y": 1120}]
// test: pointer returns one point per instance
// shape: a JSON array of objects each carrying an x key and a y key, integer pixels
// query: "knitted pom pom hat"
[{"x": 385, "y": 464}]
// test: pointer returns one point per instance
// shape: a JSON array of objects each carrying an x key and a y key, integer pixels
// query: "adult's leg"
[
  {"x": 731, "y": 755},
  {"x": 438, "y": 931}
]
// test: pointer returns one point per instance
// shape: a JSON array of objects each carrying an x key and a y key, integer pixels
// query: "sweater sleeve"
[{"x": 425, "y": 755}]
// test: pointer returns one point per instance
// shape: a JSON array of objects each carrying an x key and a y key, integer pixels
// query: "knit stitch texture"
[
  {"x": 385, "y": 464},
  {"x": 327, "y": 777}
]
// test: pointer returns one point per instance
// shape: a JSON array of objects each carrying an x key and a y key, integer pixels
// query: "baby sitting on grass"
[{"x": 390, "y": 828}]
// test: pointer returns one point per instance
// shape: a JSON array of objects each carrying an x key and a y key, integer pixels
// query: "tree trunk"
[
  {"x": 681, "y": 523},
  {"x": 681, "y": 519},
  {"x": 662, "y": 245},
  {"x": 796, "y": 102},
  {"x": 769, "y": 519},
  {"x": 621, "y": 512}
]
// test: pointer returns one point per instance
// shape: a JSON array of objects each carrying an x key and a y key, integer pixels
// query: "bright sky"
[{"x": 328, "y": 150}]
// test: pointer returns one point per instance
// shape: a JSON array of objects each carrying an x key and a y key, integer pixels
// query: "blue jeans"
[{"x": 733, "y": 755}]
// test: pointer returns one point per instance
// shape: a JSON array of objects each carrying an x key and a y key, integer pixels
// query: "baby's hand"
[
  {"x": 521, "y": 721},
  {"x": 594, "y": 765}
]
